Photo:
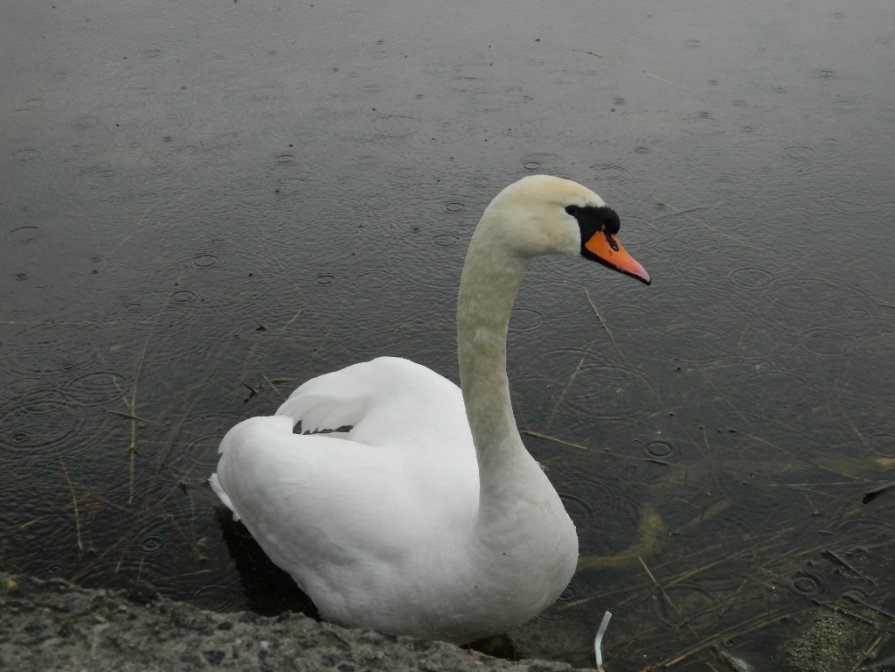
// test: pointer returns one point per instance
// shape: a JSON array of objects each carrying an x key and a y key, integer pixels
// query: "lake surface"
[{"x": 203, "y": 204}]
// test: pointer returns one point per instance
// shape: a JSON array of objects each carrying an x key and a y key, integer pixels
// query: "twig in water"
[
  {"x": 128, "y": 416},
  {"x": 274, "y": 383},
  {"x": 869, "y": 652},
  {"x": 744, "y": 628},
  {"x": 252, "y": 392},
  {"x": 608, "y": 453},
  {"x": 842, "y": 611},
  {"x": 857, "y": 599},
  {"x": 554, "y": 439},
  {"x": 132, "y": 407},
  {"x": 665, "y": 596},
  {"x": 681, "y": 212},
  {"x": 621, "y": 352},
  {"x": 568, "y": 386},
  {"x": 661, "y": 79},
  {"x": 603, "y": 323},
  {"x": 263, "y": 345},
  {"x": 838, "y": 559},
  {"x": 870, "y": 495},
  {"x": 651, "y": 576},
  {"x": 74, "y": 505}
]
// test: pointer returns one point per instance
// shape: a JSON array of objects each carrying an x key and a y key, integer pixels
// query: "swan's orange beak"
[{"x": 604, "y": 248}]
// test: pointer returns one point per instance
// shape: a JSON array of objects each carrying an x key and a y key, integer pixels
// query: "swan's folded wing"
[
  {"x": 320, "y": 505},
  {"x": 388, "y": 401},
  {"x": 330, "y": 401}
]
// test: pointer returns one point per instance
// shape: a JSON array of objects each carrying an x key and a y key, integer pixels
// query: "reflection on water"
[{"x": 202, "y": 208}]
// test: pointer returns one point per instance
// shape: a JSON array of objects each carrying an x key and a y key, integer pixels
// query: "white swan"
[{"x": 429, "y": 517}]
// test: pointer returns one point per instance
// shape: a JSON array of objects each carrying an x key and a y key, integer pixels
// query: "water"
[{"x": 201, "y": 206}]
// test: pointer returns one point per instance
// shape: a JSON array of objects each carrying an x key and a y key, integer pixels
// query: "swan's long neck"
[
  {"x": 488, "y": 287},
  {"x": 523, "y": 547}
]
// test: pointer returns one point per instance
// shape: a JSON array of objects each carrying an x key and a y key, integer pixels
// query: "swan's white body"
[{"x": 429, "y": 517}]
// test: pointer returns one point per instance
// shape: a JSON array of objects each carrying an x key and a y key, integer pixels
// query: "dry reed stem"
[
  {"x": 185, "y": 413},
  {"x": 665, "y": 596},
  {"x": 273, "y": 385},
  {"x": 603, "y": 324},
  {"x": 694, "y": 571},
  {"x": 132, "y": 407},
  {"x": 868, "y": 652},
  {"x": 126, "y": 416},
  {"x": 852, "y": 426},
  {"x": 74, "y": 505},
  {"x": 742, "y": 242},
  {"x": 187, "y": 538},
  {"x": 571, "y": 381},
  {"x": 678, "y": 213},
  {"x": 708, "y": 379},
  {"x": 743, "y": 628},
  {"x": 580, "y": 446},
  {"x": 842, "y": 611},
  {"x": 124, "y": 539},
  {"x": 554, "y": 439},
  {"x": 851, "y": 597},
  {"x": 646, "y": 381},
  {"x": 256, "y": 353},
  {"x": 662, "y": 79}
]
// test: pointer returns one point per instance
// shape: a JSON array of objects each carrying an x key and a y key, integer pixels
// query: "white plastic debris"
[{"x": 598, "y": 640}]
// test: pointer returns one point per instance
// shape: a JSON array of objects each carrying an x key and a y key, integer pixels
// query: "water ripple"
[
  {"x": 96, "y": 388},
  {"x": 527, "y": 318},
  {"x": 51, "y": 349},
  {"x": 750, "y": 277},
  {"x": 807, "y": 584},
  {"x": 196, "y": 456},
  {"x": 592, "y": 502},
  {"x": 215, "y": 597},
  {"x": 882, "y": 443},
  {"x": 685, "y": 602},
  {"x": 541, "y": 162},
  {"x": 695, "y": 343},
  {"x": 372, "y": 281},
  {"x": 799, "y": 152},
  {"x": 814, "y": 295},
  {"x": 608, "y": 171},
  {"x": 659, "y": 449},
  {"x": 826, "y": 342},
  {"x": 857, "y": 201},
  {"x": 325, "y": 279},
  {"x": 205, "y": 260},
  {"x": 36, "y": 422},
  {"x": 673, "y": 246},
  {"x": 24, "y": 234},
  {"x": 789, "y": 391}
]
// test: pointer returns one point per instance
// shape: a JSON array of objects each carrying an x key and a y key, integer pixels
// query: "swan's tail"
[{"x": 219, "y": 491}]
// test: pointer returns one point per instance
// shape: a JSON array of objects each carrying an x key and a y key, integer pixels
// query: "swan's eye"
[{"x": 572, "y": 209}]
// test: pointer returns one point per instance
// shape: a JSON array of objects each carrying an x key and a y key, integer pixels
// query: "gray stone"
[{"x": 53, "y": 625}]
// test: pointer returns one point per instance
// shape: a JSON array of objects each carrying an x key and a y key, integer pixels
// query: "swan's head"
[{"x": 541, "y": 214}]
